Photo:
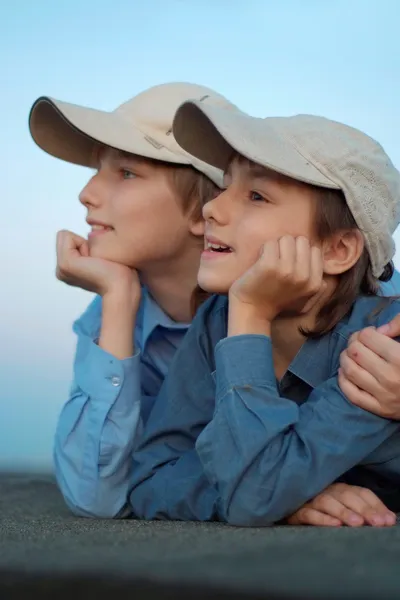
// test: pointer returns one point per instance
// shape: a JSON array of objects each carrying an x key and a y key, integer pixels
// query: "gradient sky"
[{"x": 336, "y": 58}]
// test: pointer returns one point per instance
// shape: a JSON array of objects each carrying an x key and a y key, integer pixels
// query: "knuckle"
[
  {"x": 354, "y": 348},
  {"x": 60, "y": 275},
  {"x": 366, "y": 494},
  {"x": 285, "y": 274},
  {"x": 365, "y": 334},
  {"x": 353, "y": 338},
  {"x": 338, "y": 488},
  {"x": 319, "y": 502},
  {"x": 349, "y": 367},
  {"x": 389, "y": 381},
  {"x": 347, "y": 495}
]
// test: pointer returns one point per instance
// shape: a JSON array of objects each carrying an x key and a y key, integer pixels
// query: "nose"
[
  {"x": 216, "y": 209},
  {"x": 91, "y": 195}
]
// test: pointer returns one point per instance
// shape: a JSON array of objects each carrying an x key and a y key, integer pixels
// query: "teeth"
[
  {"x": 216, "y": 246},
  {"x": 98, "y": 227}
]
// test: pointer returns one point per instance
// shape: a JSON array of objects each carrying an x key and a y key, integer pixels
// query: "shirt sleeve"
[
  {"x": 98, "y": 425},
  {"x": 266, "y": 455}
]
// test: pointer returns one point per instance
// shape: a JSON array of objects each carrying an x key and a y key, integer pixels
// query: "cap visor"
[
  {"x": 214, "y": 134},
  {"x": 74, "y": 133}
]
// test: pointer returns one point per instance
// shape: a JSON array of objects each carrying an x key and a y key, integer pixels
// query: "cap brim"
[
  {"x": 74, "y": 133},
  {"x": 214, "y": 134}
]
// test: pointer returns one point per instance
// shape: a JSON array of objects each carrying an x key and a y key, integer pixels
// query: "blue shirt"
[
  {"x": 227, "y": 441},
  {"x": 108, "y": 404},
  {"x": 109, "y": 401}
]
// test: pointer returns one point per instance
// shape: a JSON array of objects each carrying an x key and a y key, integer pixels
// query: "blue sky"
[{"x": 336, "y": 58}]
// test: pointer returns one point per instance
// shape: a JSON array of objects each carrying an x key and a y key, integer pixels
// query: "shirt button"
[{"x": 115, "y": 380}]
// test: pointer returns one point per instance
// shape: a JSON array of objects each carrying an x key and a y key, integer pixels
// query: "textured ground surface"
[{"x": 44, "y": 549}]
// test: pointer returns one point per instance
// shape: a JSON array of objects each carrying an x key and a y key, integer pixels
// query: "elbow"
[
  {"x": 91, "y": 510},
  {"x": 84, "y": 500},
  {"x": 81, "y": 505}
]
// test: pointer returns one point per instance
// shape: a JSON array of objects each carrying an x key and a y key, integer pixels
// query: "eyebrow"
[
  {"x": 259, "y": 172},
  {"x": 254, "y": 170}
]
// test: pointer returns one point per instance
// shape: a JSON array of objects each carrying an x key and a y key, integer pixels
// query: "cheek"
[{"x": 251, "y": 238}]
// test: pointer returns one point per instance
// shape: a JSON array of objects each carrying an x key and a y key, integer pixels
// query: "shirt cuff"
[
  {"x": 244, "y": 360},
  {"x": 99, "y": 374}
]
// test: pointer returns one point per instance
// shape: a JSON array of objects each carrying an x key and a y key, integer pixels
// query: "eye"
[
  {"x": 127, "y": 174},
  {"x": 256, "y": 197}
]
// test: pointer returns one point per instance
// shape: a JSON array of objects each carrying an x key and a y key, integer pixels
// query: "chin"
[{"x": 213, "y": 284}]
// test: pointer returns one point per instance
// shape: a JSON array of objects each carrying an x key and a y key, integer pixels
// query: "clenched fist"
[
  {"x": 77, "y": 268},
  {"x": 288, "y": 277}
]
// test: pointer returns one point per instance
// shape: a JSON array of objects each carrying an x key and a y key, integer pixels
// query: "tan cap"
[
  {"x": 311, "y": 149},
  {"x": 141, "y": 126}
]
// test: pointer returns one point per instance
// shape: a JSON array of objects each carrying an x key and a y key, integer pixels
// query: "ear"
[
  {"x": 197, "y": 228},
  {"x": 341, "y": 251}
]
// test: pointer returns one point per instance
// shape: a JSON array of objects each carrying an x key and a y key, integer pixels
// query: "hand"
[
  {"x": 77, "y": 268},
  {"x": 342, "y": 504},
  {"x": 288, "y": 277},
  {"x": 369, "y": 374}
]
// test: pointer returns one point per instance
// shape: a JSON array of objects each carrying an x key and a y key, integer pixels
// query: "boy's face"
[
  {"x": 143, "y": 218},
  {"x": 257, "y": 205}
]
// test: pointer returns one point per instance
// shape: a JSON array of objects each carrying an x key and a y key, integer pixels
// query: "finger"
[
  {"x": 353, "y": 337},
  {"x": 316, "y": 284},
  {"x": 302, "y": 259},
  {"x": 75, "y": 247},
  {"x": 392, "y": 329},
  {"x": 287, "y": 255},
  {"x": 60, "y": 241},
  {"x": 333, "y": 507},
  {"x": 385, "y": 347},
  {"x": 317, "y": 268},
  {"x": 269, "y": 257},
  {"x": 76, "y": 243},
  {"x": 357, "y": 396},
  {"x": 311, "y": 516},
  {"x": 364, "y": 503},
  {"x": 373, "y": 367},
  {"x": 361, "y": 377}
]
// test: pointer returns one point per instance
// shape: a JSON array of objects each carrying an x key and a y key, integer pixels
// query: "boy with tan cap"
[
  {"x": 251, "y": 422},
  {"x": 144, "y": 209}
]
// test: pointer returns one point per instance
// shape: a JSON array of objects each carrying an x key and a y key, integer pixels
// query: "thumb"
[
  {"x": 84, "y": 248},
  {"x": 391, "y": 329}
]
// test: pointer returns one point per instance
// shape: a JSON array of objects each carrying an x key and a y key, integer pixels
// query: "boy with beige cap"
[
  {"x": 144, "y": 209},
  {"x": 251, "y": 422}
]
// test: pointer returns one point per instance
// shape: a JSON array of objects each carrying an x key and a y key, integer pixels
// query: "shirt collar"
[
  {"x": 317, "y": 358},
  {"x": 312, "y": 363},
  {"x": 153, "y": 316}
]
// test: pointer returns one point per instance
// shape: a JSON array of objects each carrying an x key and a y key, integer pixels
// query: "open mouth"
[
  {"x": 219, "y": 248},
  {"x": 99, "y": 230}
]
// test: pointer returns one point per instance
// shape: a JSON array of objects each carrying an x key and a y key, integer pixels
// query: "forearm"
[
  {"x": 265, "y": 454},
  {"x": 243, "y": 319},
  {"x": 97, "y": 430},
  {"x": 118, "y": 320}
]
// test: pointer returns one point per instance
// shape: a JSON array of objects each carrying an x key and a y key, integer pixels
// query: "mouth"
[
  {"x": 214, "y": 247},
  {"x": 98, "y": 229}
]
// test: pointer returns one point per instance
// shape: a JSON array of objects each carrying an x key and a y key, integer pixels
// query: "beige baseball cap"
[
  {"x": 142, "y": 126},
  {"x": 308, "y": 148}
]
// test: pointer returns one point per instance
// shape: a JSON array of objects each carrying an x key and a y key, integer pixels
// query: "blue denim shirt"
[
  {"x": 109, "y": 401},
  {"x": 227, "y": 441}
]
